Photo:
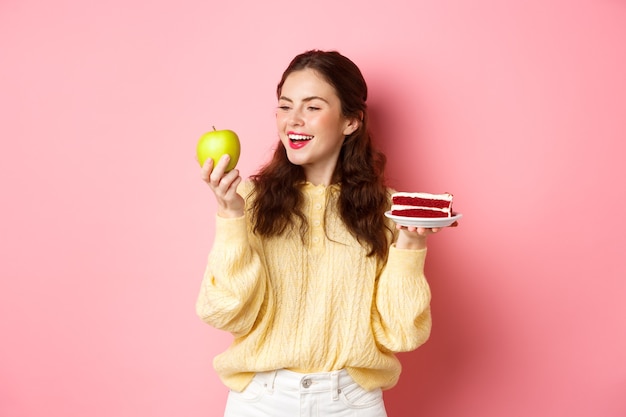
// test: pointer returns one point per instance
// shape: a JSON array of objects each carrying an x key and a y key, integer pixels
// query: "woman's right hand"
[{"x": 224, "y": 186}]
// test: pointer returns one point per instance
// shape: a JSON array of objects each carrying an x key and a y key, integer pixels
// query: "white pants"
[{"x": 290, "y": 394}]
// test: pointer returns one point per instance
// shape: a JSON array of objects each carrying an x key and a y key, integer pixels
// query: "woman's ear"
[{"x": 352, "y": 126}]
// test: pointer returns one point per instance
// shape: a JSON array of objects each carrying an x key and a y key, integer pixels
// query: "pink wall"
[{"x": 518, "y": 108}]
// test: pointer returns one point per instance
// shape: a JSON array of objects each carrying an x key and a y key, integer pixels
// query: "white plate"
[{"x": 424, "y": 221}]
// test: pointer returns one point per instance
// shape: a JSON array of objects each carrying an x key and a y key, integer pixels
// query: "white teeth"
[{"x": 300, "y": 137}]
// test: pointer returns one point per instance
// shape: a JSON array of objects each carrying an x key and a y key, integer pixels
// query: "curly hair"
[{"x": 363, "y": 196}]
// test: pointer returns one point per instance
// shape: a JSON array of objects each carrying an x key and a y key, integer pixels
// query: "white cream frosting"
[
  {"x": 395, "y": 207},
  {"x": 429, "y": 196}
]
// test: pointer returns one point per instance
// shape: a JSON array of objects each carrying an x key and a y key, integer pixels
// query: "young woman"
[{"x": 318, "y": 288}]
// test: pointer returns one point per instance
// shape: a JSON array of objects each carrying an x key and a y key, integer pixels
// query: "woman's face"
[{"x": 311, "y": 125}]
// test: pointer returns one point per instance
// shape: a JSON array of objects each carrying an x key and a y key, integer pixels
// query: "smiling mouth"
[{"x": 294, "y": 137}]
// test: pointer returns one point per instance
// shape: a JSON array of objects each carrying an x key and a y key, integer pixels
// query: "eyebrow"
[{"x": 305, "y": 99}]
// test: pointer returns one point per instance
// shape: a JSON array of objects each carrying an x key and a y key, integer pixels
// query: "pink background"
[{"x": 518, "y": 108}]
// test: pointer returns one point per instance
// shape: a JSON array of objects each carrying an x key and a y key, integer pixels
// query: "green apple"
[{"x": 215, "y": 143}]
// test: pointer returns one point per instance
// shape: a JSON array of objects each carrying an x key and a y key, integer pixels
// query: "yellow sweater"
[{"x": 317, "y": 307}]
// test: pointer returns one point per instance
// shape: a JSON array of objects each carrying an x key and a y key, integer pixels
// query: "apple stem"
[{"x": 214, "y": 128}]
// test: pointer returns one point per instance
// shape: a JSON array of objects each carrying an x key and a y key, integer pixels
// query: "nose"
[{"x": 295, "y": 118}]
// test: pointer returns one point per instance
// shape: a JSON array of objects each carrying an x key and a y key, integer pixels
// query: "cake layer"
[
  {"x": 423, "y": 199},
  {"x": 421, "y": 202},
  {"x": 420, "y": 212},
  {"x": 421, "y": 205}
]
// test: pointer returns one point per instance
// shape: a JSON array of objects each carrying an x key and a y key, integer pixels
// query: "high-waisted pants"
[{"x": 284, "y": 393}]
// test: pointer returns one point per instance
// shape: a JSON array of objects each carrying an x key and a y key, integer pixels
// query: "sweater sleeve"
[
  {"x": 401, "y": 318},
  {"x": 233, "y": 286}
]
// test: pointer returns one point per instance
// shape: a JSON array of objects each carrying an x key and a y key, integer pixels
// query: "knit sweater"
[{"x": 316, "y": 305}]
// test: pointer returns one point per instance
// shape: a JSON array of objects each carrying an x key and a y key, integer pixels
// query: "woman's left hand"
[{"x": 413, "y": 237}]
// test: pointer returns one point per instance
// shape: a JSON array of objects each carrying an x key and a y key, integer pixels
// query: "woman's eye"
[
  {"x": 283, "y": 108},
  {"x": 313, "y": 108}
]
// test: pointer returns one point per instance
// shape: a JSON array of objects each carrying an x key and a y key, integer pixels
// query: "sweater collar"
[{"x": 309, "y": 187}]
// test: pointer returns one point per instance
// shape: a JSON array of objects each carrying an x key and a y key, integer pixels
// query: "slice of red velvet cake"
[{"x": 421, "y": 205}]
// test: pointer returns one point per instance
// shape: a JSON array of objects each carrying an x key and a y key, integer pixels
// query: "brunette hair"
[{"x": 363, "y": 196}]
